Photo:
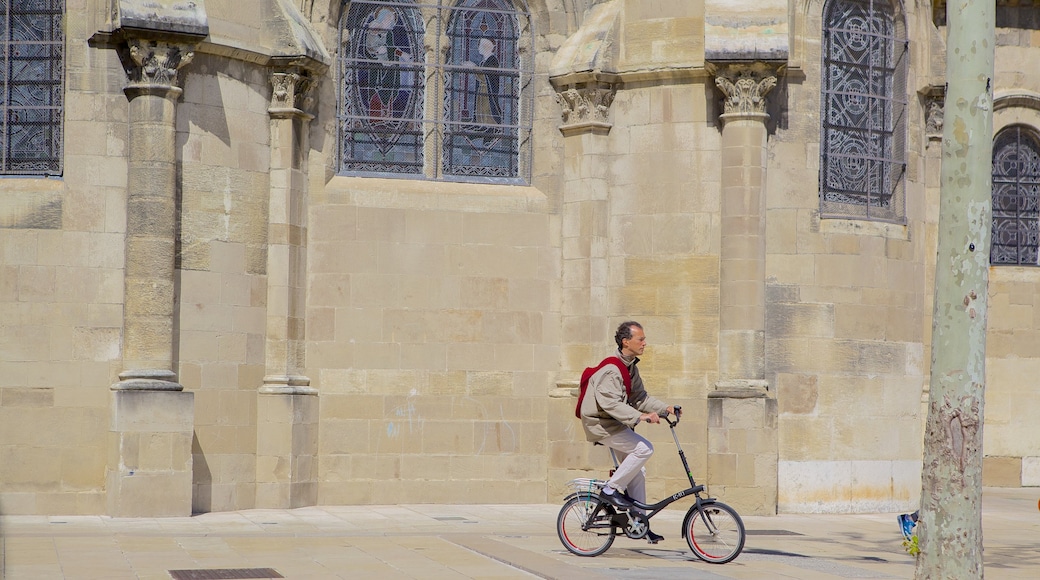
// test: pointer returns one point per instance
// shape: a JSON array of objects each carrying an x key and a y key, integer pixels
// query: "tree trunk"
[{"x": 950, "y": 528}]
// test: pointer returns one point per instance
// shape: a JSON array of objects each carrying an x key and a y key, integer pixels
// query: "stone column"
[
  {"x": 586, "y": 219},
  {"x": 151, "y": 215},
  {"x": 152, "y": 418},
  {"x": 933, "y": 100},
  {"x": 742, "y": 450},
  {"x": 743, "y": 249},
  {"x": 585, "y": 312},
  {"x": 287, "y": 409}
]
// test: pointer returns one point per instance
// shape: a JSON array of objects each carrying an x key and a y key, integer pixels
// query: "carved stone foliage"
[
  {"x": 291, "y": 91},
  {"x": 586, "y": 107},
  {"x": 156, "y": 62},
  {"x": 745, "y": 85}
]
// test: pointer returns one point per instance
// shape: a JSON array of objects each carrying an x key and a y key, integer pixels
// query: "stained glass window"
[
  {"x": 413, "y": 106},
  {"x": 383, "y": 88},
  {"x": 1016, "y": 197},
  {"x": 863, "y": 98},
  {"x": 481, "y": 134},
  {"x": 32, "y": 52}
]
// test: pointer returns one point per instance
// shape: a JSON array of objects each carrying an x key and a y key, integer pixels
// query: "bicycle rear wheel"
[
  {"x": 714, "y": 532},
  {"x": 570, "y": 526}
]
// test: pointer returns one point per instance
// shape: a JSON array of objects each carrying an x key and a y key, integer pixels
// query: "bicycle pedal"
[{"x": 649, "y": 541}]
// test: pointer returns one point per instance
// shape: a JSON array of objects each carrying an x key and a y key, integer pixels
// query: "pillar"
[
  {"x": 585, "y": 311},
  {"x": 287, "y": 408},
  {"x": 586, "y": 219},
  {"x": 742, "y": 436},
  {"x": 149, "y": 470}
]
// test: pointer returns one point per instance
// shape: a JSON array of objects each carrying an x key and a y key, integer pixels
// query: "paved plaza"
[{"x": 429, "y": 541}]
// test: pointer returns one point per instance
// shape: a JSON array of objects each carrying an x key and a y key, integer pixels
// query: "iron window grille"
[
  {"x": 436, "y": 90},
  {"x": 31, "y": 86},
  {"x": 1016, "y": 197},
  {"x": 863, "y": 136}
]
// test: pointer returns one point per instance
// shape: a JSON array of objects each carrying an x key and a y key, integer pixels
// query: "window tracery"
[
  {"x": 1016, "y": 197},
  {"x": 435, "y": 91},
  {"x": 32, "y": 86},
  {"x": 863, "y": 140}
]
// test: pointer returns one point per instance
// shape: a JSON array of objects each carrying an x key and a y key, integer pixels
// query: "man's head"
[
  {"x": 630, "y": 338},
  {"x": 485, "y": 47},
  {"x": 378, "y": 32}
]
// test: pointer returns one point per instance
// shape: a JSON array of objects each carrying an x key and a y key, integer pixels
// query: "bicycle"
[{"x": 587, "y": 526}]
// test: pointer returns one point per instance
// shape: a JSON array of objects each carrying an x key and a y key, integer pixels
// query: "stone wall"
[
  {"x": 846, "y": 315},
  {"x": 223, "y": 134},
  {"x": 432, "y": 337},
  {"x": 418, "y": 340},
  {"x": 1012, "y": 347},
  {"x": 61, "y": 298}
]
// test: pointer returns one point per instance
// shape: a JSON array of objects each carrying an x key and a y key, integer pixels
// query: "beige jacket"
[{"x": 607, "y": 410}]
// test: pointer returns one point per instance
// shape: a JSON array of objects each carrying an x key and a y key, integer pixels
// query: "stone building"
[{"x": 278, "y": 253}]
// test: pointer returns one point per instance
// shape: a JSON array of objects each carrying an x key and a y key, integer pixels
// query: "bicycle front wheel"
[
  {"x": 585, "y": 540},
  {"x": 714, "y": 532}
]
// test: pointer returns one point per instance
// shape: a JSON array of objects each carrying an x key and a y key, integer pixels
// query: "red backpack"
[{"x": 585, "y": 376}]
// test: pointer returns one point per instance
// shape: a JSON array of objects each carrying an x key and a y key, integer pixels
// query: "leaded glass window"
[
  {"x": 863, "y": 137},
  {"x": 31, "y": 89},
  {"x": 383, "y": 89},
  {"x": 481, "y": 134},
  {"x": 412, "y": 106},
  {"x": 1016, "y": 196}
]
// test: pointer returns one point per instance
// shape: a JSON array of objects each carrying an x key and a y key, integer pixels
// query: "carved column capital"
[
  {"x": 586, "y": 107},
  {"x": 745, "y": 85},
  {"x": 154, "y": 63},
  {"x": 292, "y": 94}
]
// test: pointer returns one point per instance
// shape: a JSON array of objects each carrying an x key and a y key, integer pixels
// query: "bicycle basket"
[{"x": 586, "y": 485}]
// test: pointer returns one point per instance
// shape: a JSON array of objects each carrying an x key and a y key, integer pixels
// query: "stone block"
[
  {"x": 858, "y": 321},
  {"x": 1031, "y": 471},
  {"x": 1002, "y": 471},
  {"x": 25, "y": 397},
  {"x": 797, "y": 393},
  {"x": 149, "y": 471}
]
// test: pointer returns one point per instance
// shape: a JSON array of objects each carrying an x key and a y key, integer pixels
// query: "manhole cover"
[{"x": 224, "y": 573}]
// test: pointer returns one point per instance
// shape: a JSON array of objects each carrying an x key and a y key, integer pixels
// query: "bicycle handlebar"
[{"x": 664, "y": 415}]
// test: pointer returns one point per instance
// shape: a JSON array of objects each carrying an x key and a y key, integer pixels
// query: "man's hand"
[{"x": 650, "y": 418}]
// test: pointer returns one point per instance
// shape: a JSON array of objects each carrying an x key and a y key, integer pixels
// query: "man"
[{"x": 609, "y": 411}]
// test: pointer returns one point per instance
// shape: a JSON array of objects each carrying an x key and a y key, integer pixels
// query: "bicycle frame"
[{"x": 694, "y": 489}]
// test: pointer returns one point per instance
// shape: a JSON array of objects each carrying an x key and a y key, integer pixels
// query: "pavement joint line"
[{"x": 535, "y": 564}]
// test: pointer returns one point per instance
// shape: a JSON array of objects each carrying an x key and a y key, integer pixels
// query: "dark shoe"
[
  {"x": 652, "y": 537},
  {"x": 616, "y": 499},
  {"x": 626, "y": 497}
]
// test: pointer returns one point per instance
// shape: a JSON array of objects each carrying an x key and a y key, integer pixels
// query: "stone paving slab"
[{"x": 483, "y": 541}]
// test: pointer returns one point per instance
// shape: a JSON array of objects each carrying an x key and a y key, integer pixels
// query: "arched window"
[
  {"x": 412, "y": 107},
  {"x": 863, "y": 100},
  {"x": 31, "y": 86},
  {"x": 383, "y": 82},
  {"x": 1016, "y": 197},
  {"x": 482, "y": 130}
]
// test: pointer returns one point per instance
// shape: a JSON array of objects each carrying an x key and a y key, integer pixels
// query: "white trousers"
[{"x": 633, "y": 451}]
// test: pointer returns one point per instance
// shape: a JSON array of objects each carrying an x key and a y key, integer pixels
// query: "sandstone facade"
[{"x": 206, "y": 300}]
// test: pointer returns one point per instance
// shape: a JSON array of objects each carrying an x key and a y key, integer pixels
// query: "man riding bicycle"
[{"x": 611, "y": 407}]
